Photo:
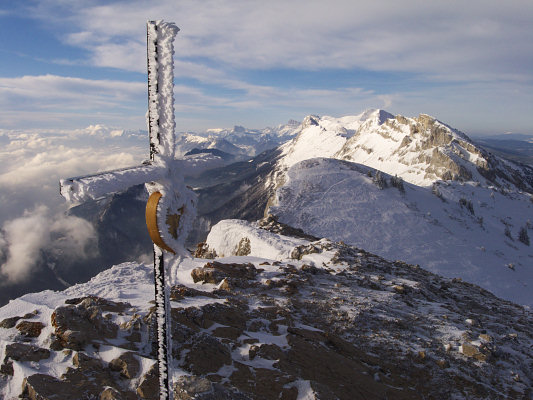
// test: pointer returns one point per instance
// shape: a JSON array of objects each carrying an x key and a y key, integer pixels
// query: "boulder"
[
  {"x": 214, "y": 272},
  {"x": 21, "y": 352},
  {"x": 179, "y": 292},
  {"x": 30, "y": 329},
  {"x": 111, "y": 393},
  {"x": 203, "y": 251},
  {"x": 127, "y": 364},
  {"x": 80, "y": 324},
  {"x": 10, "y": 322},
  {"x": 198, "y": 388},
  {"x": 149, "y": 385},
  {"x": 101, "y": 303}
]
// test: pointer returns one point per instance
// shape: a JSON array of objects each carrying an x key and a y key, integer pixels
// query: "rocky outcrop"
[
  {"x": 357, "y": 326},
  {"x": 215, "y": 272},
  {"x": 433, "y": 150},
  {"x": 21, "y": 352},
  {"x": 12, "y": 321},
  {"x": 271, "y": 224},
  {"x": 149, "y": 385},
  {"x": 82, "y": 322},
  {"x": 88, "y": 378}
]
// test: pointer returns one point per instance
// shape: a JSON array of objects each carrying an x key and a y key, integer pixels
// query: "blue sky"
[{"x": 71, "y": 64}]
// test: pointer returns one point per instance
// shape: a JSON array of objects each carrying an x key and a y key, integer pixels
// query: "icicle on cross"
[{"x": 171, "y": 206}]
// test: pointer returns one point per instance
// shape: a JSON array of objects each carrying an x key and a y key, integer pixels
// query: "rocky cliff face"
[{"x": 329, "y": 321}]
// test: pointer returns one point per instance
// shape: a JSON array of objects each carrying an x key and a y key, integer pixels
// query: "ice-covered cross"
[{"x": 170, "y": 209}]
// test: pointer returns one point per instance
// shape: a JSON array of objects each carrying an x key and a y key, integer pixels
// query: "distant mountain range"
[{"x": 240, "y": 142}]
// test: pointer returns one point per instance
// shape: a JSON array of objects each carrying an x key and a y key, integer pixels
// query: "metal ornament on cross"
[{"x": 171, "y": 207}]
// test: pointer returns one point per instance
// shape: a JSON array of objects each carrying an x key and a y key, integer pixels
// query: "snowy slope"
[
  {"x": 432, "y": 227},
  {"x": 254, "y": 327},
  {"x": 322, "y": 137}
]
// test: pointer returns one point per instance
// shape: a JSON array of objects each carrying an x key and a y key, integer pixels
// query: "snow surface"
[
  {"x": 226, "y": 233},
  {"x": 338, "y": 200},
  {"x": 77, "y": 190}
]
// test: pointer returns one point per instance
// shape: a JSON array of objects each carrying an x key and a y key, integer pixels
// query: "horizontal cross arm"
[{"x": 80, "y": 189}]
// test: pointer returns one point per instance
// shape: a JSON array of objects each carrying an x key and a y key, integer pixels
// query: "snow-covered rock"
[
  {"x": 328, "y": 321},
  {"x": 226, "y": 237},
  {"x": 188, "y": 142}
]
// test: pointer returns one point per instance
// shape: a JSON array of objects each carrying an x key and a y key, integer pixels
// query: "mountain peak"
[
  {"x": 376, "y": 114},
  {"x": 310, "y": 120}
]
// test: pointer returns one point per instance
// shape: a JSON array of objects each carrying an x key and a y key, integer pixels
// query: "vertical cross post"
[
  {"x": 170, "y": 209},
  {"x": 159, "y": 47}
]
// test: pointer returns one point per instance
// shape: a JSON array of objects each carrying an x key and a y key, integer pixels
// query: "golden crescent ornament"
[{"x": 151, "y": 221}]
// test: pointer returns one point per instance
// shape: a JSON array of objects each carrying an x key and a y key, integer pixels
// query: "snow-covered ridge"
[
  {"x": 421, "y": 150},
  {"x": 227, "y": 236},
  {"x": 453, "y": 229}
]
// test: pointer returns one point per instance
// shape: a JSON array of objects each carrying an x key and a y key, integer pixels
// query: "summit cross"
[{"x": 170, "y": 209}]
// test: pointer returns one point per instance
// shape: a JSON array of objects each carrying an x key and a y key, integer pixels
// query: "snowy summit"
[{"x": 318, "y": 320}]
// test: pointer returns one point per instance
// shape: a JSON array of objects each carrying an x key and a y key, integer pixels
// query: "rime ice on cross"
[{"x": 171, "y": 206}]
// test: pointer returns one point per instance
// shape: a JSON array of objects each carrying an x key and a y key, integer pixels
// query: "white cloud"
[
  {"x": 56, "y": 101},
  {"x": 49, "y": 101},
  {"x": 434, "y": 38},
  {"x": 23, "y": 239},
  {"x": 32, "y": 162},
  {"x": 73, "y": 93},
  {"x": 32, "y": 214},
  {"x": 433, "y": 44}
]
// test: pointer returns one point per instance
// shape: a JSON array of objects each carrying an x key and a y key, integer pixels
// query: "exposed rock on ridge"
[{"x": 332, "y": 322}]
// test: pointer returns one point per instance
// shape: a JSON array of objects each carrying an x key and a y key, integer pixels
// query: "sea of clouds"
[{"x": 33, "y": 218}]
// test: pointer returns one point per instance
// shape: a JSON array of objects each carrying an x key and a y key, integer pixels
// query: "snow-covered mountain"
[
  {"x": 455, "y": 229},
  {"x": 188, "y": 142},
  {"x": 261, "y": 304},
  {"x": 240, "y": 142},
  {"x": 463, "y": 212},
  {"x": 280, "y": 317},
  {"x": 421, "y": 150}
]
